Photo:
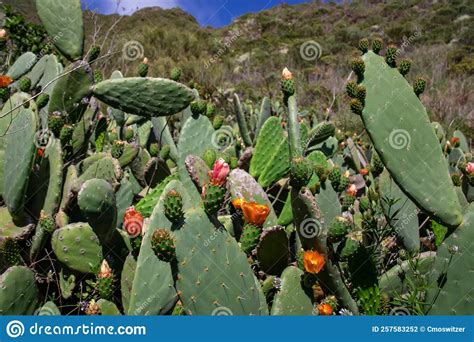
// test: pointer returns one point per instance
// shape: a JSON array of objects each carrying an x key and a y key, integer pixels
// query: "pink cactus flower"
[
  {"x": 219, "y": 172},
  {"x": 470, "y": 168},
  {"x": 352, "y": 190}
]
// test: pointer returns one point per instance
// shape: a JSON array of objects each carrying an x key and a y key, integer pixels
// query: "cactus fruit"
[
  {"x": 94, "y": 52},
  {"x": 217, "y": 122},
  {"x": 65, "y": 136},
  {"x": 376, "y": 165},
  {"x": 391, "y": 55},
  {"x": 287, "y": 83},
  {"x": 198, "y": 107},
  {"x": 358, "y": 66},
  {"x": 163, "y": 244},
  {"x": 165, "y": 151},
  {"x": 377, "y": 45},
  {"x": 213, "y": 198},
  {"x": 42, "y": 100},
  {"x": 419, "y": 86},
  {"x": 25, "y": 84},
  {"x": 176, "y": 73},
  {"x": 335, "y": 177},
  {"x": 173, "y": 204},
  {"x": 364, "y": 45},
  {"x": 404, "y": 66},
  {"x": 300, "y": 172},
  {"x": 143, "y": 68},
  {"x": 210, "y": 110},
  {"x": 338, "y": 229},
  {"x": 93, "y": 309},
  {"x": 351, "y": 89},
  {"x": 456, "y": 178},
  {"x": 105, "y": 281},
  {"x": 117, "y": 149},
  {"x": 356, "y": 106},
  {"x": 154, "y": 150},
  {"x": 10, "y": 251},
  {"x": 55, "y": 123},
  {"x": 250, "y": 238}
]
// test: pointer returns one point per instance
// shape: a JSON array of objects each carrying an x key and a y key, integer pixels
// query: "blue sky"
[{"x": 215, "y": 13}]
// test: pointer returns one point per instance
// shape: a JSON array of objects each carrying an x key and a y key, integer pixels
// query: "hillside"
[{"x": 248, "y": 55}]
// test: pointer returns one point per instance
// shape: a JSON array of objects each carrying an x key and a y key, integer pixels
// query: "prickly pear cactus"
[
  {"x": 403, "y": 136},
  {"x": 19, "y": 295}
]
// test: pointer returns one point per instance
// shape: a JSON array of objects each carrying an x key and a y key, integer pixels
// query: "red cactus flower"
[
  {"x": 133, "y": 222},
  {"x": 219, "y": 172},
  {"x": 470, "y": 168},
  {"x": 41, "y": 152}
]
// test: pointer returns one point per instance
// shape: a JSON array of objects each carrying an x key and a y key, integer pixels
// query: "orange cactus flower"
[
  {"x": 313, "y": 262},
  {"x": 255, "y": 213},
  {"x": 325, "y": 309},
  {"x": 364, "y": 172},
  {"x": 352, "y": 190},
  {"x": 237, "y": 203},
  {"x": 5, "y": 81}
]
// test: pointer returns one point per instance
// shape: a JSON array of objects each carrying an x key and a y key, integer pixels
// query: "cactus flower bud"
[
  {"x": 3, "y": 33},
  {"x": 219, "y": 172},
  {"x": 105, "y": 270},
  {"x": 145, "y": 60},
  {"x": 352, "y": 190},
  {"x": 470, "y": 168},
  {"x": 286, "y": 74}
]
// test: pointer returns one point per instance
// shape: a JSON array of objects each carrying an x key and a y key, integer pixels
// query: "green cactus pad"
[
  {"x": 149, "y": 97},
  {"x": 401, "y": 213},
  {"x": 96, "y": 199},
  {"x": 214, "y": 275},
  {"x": 146, "y": 204},
  {"x": 20, "y": 152},
  {"x": 242, "y": 185},
  {"x": 163, "y": 136},
  {"x": 106, "y": 168},
  {"x": 453, "y": 274},
  {"x": 273, "y": 253},
  {"x": 271, "y": 158},
  {"x": 22, "y": 65},
  {"x": 292, "y": 299},
  {"x": 48, "y": 309},
  {"x": 196, "y": 137},
  {"x": 198, "y": 171},
  {"x": 263, "y": 115},
  {"x": 403, "y": 136},
  {"x": 19, "y": 293},
  {"x": 240, "y": 116},
  {"x": 77, "y": 246},
  {"x": 126, "y": 281},
  {"x": 8, "y": 229},
  {"x": 69, "y": 91},
  {"x": 63, "y": 22}
]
